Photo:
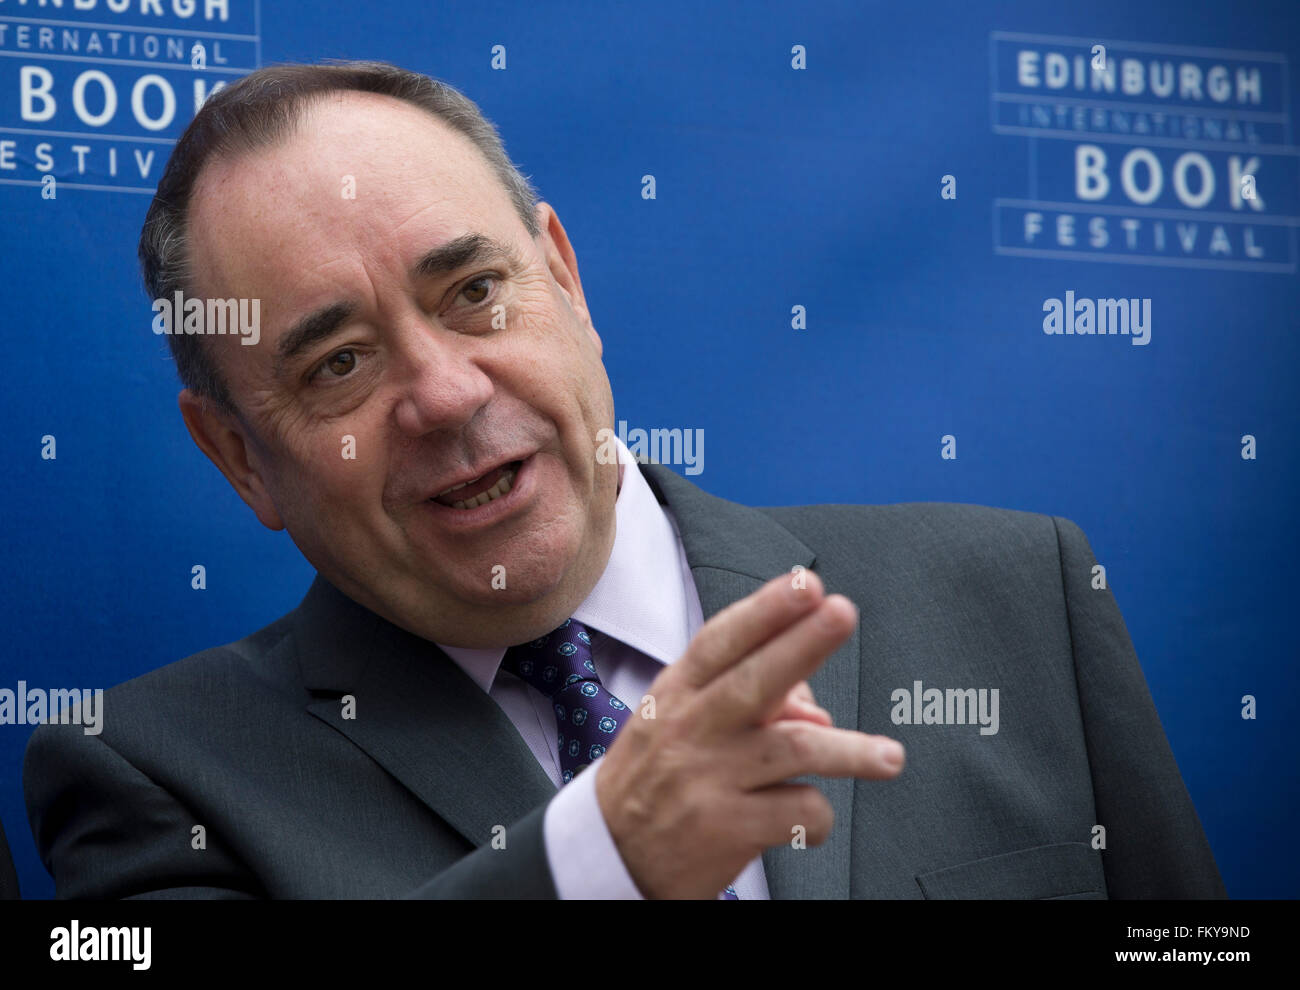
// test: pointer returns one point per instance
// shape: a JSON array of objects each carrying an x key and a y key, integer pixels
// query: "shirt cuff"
[{"x": 585, "y": 863}]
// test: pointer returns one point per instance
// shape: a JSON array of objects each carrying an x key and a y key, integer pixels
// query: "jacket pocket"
[{"x": 1067, "y": 870}]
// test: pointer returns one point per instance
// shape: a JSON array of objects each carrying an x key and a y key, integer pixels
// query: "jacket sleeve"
[
  {"x": 1155, "y": 847},
  {"x": 8, "y": 877},
  {"x": 104, "y": 830},
  {"x": 518, "y": 872}
]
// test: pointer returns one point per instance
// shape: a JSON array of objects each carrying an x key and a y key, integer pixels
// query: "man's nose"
[{"x": 439, "y": 384}]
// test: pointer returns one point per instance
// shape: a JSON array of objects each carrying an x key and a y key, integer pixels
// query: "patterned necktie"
[{"x": 586, "y": 714}]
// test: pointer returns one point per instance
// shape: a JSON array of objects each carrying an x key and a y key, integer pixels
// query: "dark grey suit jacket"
[
  {"x": 248, "y": 740},
  {"x": 8, "y": 878}
]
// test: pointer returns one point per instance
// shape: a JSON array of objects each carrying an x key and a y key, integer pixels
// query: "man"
[{"x": 532, "y": 668}]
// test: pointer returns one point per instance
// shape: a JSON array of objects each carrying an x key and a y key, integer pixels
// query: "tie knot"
[
  {"x": 587, "y": 716},
  {"x": 554, "y": 661}
]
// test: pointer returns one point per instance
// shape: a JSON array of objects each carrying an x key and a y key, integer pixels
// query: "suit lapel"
[
  {"x": 732, "y": 551},
  {"x": 417, "y": 715}
]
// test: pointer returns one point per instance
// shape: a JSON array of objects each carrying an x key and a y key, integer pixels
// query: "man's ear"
[
  {"x": 221, "y": 437},
  {"x": 563, "y": 264}
]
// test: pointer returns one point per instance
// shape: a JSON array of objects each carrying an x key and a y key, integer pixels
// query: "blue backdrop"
[{"x": 776, "y": 187}]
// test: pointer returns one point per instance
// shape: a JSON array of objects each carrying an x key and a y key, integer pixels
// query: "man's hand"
[
  {"x": 800, "y": 703},
  {"x": 693, "y": 794}
]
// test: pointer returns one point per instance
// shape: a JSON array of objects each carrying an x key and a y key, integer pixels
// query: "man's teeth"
[{"x": 496, "y": 491}]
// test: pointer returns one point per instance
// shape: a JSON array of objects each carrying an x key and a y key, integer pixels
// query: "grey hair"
[{"x": 255, "y": 112}]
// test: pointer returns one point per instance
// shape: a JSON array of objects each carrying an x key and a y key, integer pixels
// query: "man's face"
[{"x": 412, "y": 338}]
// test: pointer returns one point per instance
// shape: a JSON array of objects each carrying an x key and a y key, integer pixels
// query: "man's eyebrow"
[
  {"x": 465, "y": 250},
  {"x": 311, "y": 328}
]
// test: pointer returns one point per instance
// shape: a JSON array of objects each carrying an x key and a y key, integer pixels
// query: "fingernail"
[{"x": 890, "y": 753}]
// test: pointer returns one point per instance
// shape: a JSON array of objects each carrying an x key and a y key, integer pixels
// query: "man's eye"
[
  {"x": 476, "y": 290},
  {"x": 339, "y": 364}
]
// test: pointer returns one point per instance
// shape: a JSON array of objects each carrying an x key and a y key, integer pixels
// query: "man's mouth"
[{"x": 481, "y": 490}]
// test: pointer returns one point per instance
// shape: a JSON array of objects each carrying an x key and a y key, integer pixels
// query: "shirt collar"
[{"x": 640, "y": 599}]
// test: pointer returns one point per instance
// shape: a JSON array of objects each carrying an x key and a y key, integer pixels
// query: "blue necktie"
[{"x": 586, "y": 714}]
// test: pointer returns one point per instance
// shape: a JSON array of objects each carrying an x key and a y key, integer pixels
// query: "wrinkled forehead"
[{"x": 359, "y": 175}]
